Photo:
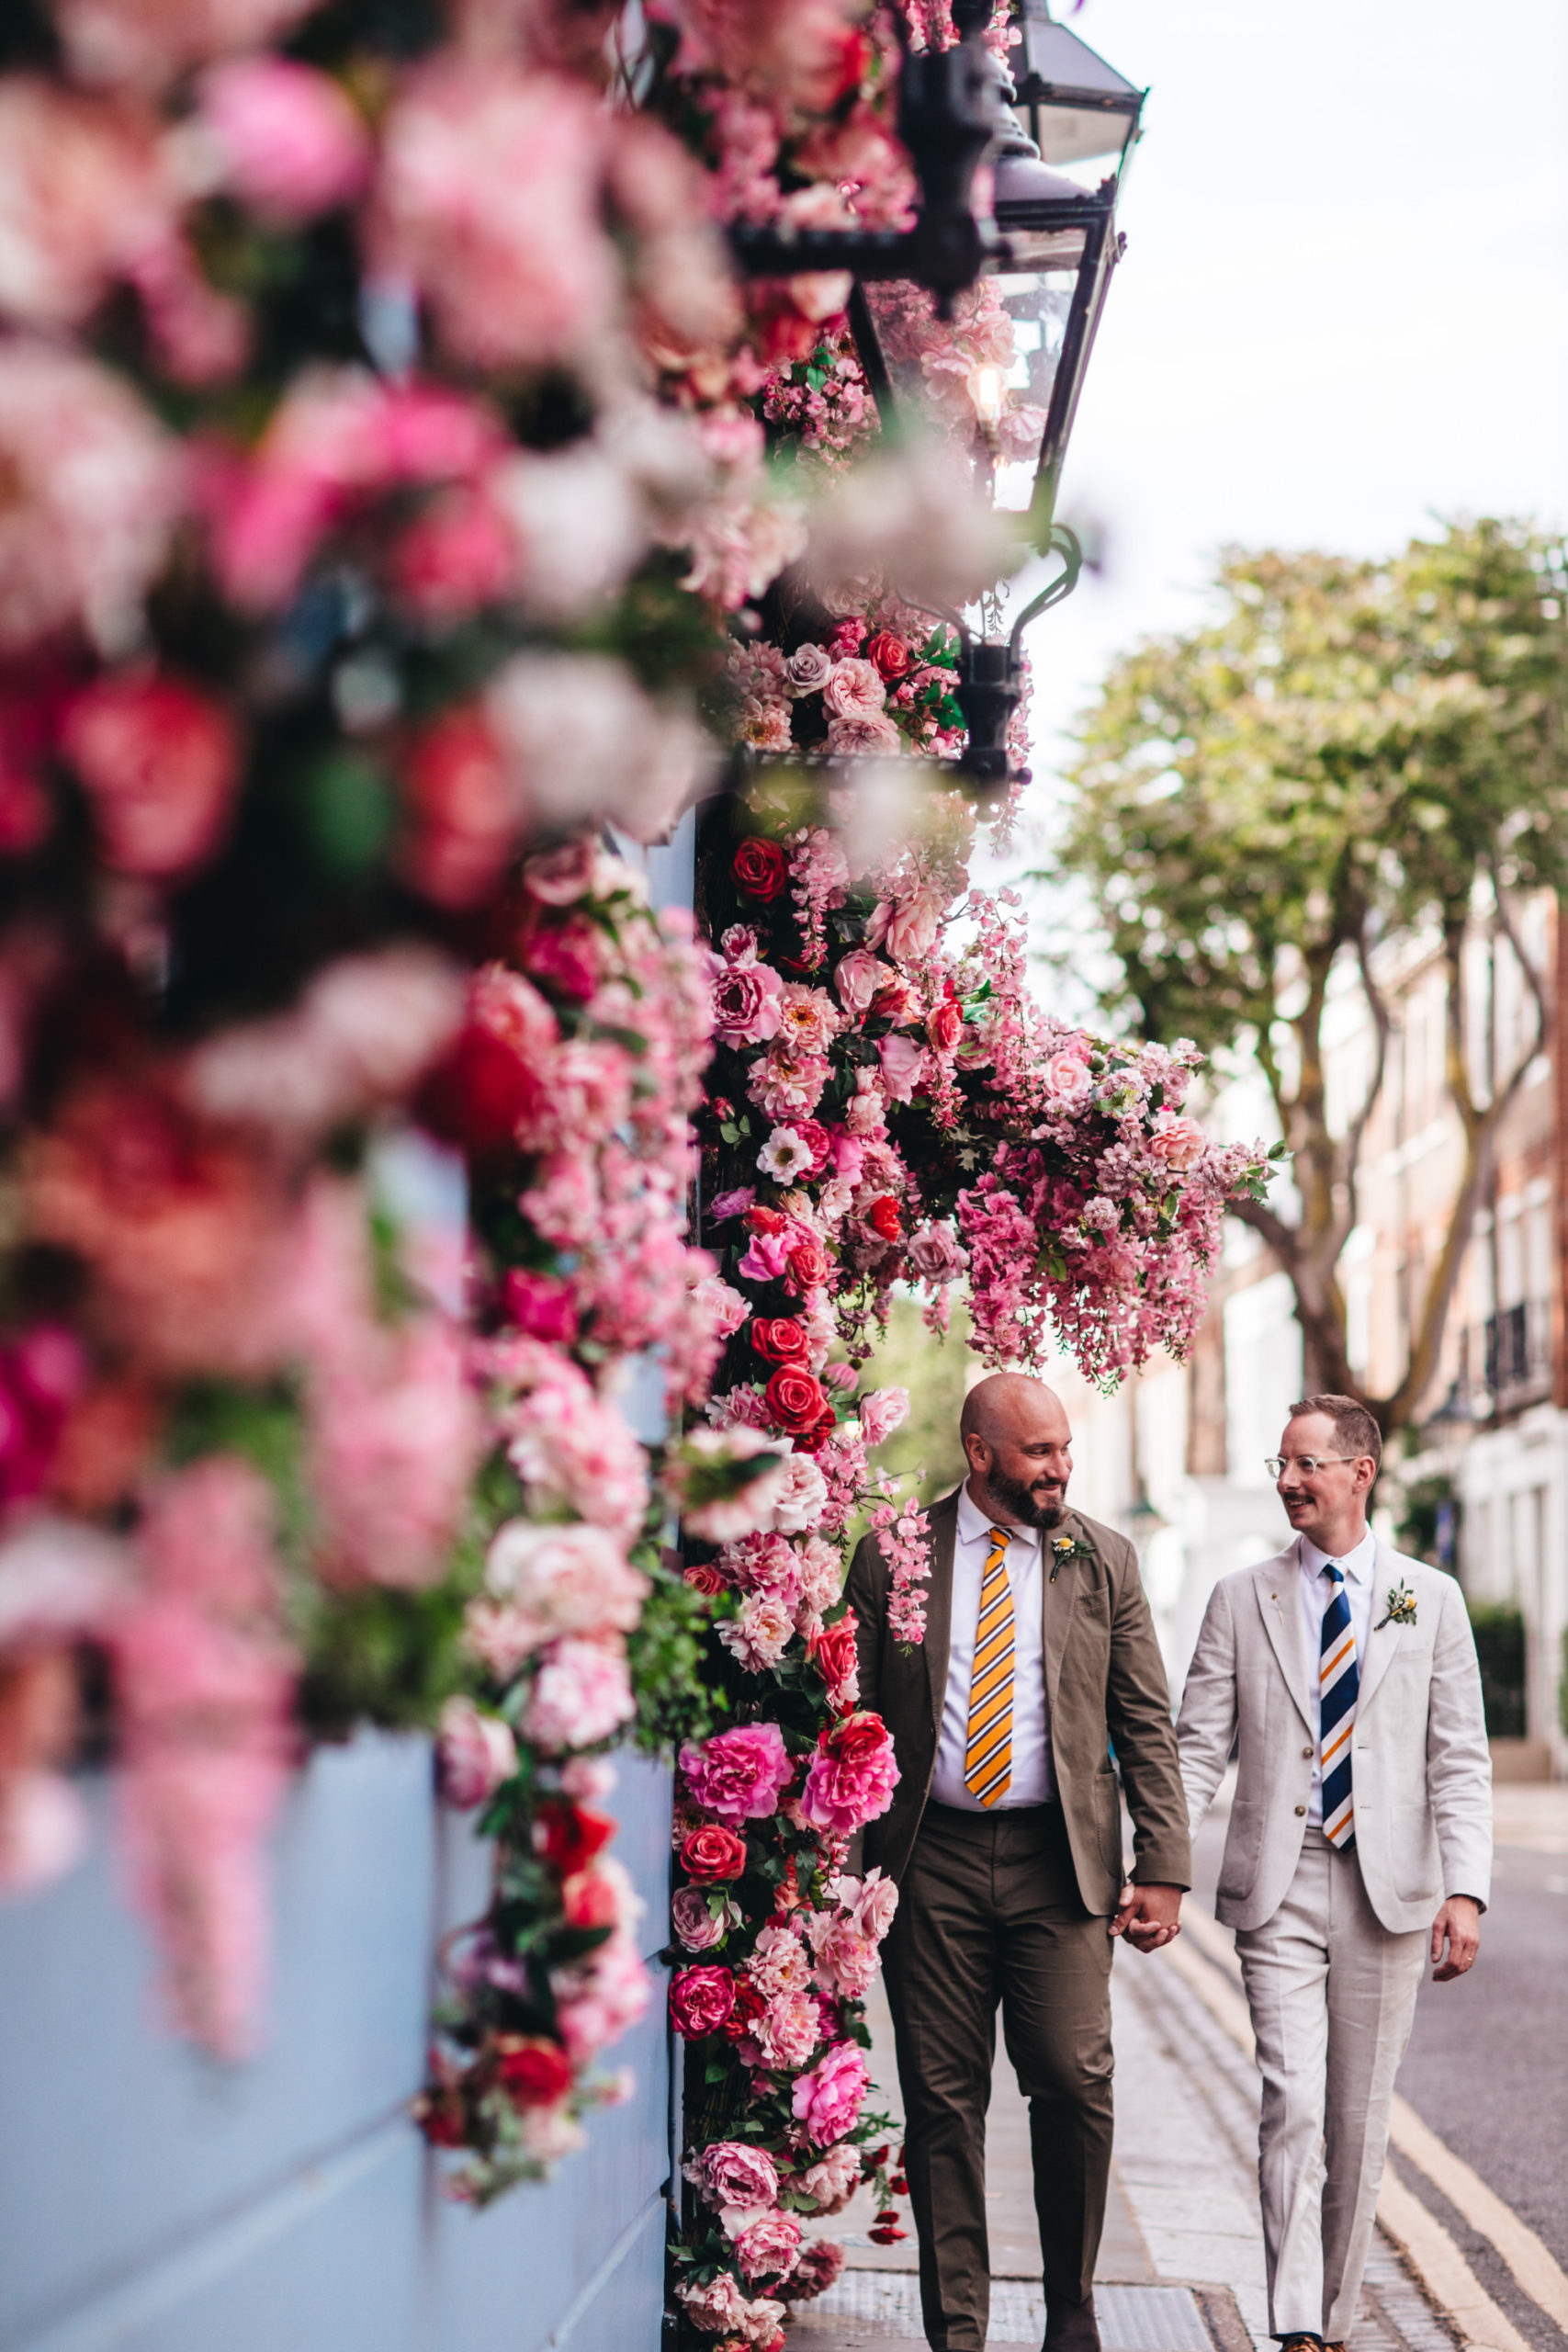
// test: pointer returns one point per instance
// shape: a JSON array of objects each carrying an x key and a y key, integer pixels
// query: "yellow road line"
[{"x": 1532, "y": 2263}]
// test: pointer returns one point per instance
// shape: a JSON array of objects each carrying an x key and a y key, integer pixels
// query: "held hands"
[
  {"x": 1150, "y": 1917},
  {"x": 1459, "y": 1925}
]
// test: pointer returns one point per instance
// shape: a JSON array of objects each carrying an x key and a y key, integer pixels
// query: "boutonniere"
[
  {"x": 1401, "y": 1608},
  {"x": 1063, "y": 1548}
]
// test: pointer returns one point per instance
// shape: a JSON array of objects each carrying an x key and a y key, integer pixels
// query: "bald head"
[{"x": 1018, "y": 1443}]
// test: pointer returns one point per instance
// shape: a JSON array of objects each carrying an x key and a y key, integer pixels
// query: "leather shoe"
[{"x": 1072, "y": 2327}]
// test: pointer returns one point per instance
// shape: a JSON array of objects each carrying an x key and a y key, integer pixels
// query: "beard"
[{"x": 1019, "y": 1497}]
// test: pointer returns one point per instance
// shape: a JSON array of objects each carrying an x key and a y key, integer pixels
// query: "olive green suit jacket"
[{"x": 1105, "y": 1682}]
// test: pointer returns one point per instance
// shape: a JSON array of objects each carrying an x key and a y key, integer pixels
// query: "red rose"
[
  {"x": 837, "y": 1661},
  {"x": 713, "y": 1852},
  {"x": 760, "y": 868},
  {"x": 704, "y": 1577},
  {"x": 590, "y": 1901},
  {"x": 813, "y": 1439},
  {"x": 568, "y": 1835},
  {"x": 749, "y": 2007},
  {"x": 763, "y": 1220},
  {"x": 779, "y": 1339},
  {"x": 161, "y": 764},
  {"x": 883, "y": 1218},
  {"x": 477, "y": 1094},
  {"x": 889, "y": 653},
  {"x": 700, "y": 2000},
  {"x": 795, "y": 1399},
  {"x": 531, "y": 2071},
  {"x": 944, "y": 1026},
  {"x": 809, "y": 1266}
]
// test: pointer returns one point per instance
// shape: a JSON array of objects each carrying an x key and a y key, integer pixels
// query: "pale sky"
[{"x": 1344, "y": 308}]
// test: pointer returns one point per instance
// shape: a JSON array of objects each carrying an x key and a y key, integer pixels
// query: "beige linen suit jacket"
[
  {"x": 1421, "y": 1773},
  {"x": 1105, "y": 1680}
]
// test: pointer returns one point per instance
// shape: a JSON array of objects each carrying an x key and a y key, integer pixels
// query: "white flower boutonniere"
[
  {"x": 1401, "y": 1608},
  {"x": 1063, "y": 1548}
]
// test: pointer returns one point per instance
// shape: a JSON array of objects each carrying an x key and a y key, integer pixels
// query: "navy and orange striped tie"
[
  {"x": 987, "y": 1755},
  {"x": 1338, "y": 1679}
]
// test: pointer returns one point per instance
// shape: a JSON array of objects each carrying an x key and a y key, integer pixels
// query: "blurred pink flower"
[
  {"x": 161, "y": 766},
  {"x": 474, "y": 1753},
  {"x": 828, "y": 2099},
  {"x": 570, "y": 1579},
  {"x": 93, "y": 489},
  {"x": 863, "y": 736},
  {"x": 151, "y": 42},
  {"x": 581, "y": 1694},
  {"x": 284, "y": 139},
  {"x": 597, "y": 2001},
  {"x": 85, "y": 197},
  {"x": 394, "y": 1436},
  {"x": 489, "y": 203}
]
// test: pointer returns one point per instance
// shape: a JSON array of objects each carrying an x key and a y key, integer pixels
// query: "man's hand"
[
  {"x": 1150, "y": 1917},
  {"x": 1458, "y": 1925}
]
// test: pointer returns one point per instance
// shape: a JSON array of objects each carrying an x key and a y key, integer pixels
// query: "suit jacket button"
[
  {"x": 1301, "y": 1808},
  {"x": 1309, "y": 1751}
]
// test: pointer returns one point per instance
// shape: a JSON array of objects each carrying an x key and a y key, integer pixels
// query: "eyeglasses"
[{"x": 1307, "y": 1464}]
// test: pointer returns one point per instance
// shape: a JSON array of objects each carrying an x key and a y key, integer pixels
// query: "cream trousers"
[{"x": 1333, "y": 1998}]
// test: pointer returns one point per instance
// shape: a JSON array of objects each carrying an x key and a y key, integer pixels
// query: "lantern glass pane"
[{"x": 1037, "y": 303}]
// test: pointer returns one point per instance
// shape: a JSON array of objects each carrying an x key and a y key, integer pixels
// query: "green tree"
[{"x": 1347, "y": 752}]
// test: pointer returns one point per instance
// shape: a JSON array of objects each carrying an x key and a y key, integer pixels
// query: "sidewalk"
[{"x": 1181, "y": 2265}]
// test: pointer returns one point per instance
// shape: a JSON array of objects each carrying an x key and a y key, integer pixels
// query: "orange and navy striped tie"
[{"x": 988, "y": 1756}]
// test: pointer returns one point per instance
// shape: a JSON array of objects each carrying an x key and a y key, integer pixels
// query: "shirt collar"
[
  {"x": 1357, "y": 1565},
  {"x": 974, "y": 1527}
]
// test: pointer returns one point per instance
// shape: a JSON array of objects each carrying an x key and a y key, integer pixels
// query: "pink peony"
[
  {"x": 741, "y": 2181},
  {"x": 779, "y": 1964},
  {"x": 865, "y": 737},
  {"x": 846, "y": 1959},
  {"x": 284, "y": 138},
  {"x": 828, "y": 2099},
  {"x": 700, "y": 2000},
  {"x": 808, "y": 1016},
  {"x": 720, "y": 2309},
  {"x": 582, "y": 1693},
  {"x": 852, "y": 1775},
  {"x": 817, "y": 2268},
  {"x": 787, "y": 1082},
  {"x": 822, "y": 1571},
  {"x": 834, "y": 2178},
  {"x": 474, "y": 1753},
  {"x": 569, "y": 1579},
  {"x": 738, "y": 1775},
  {"x": 885, "y": 1410},
  {"x": 787, "y": 2031},
  {"x": 759, "y": 1632},
  {"x": 1177, "y": 1141},
  {"x": 853, "y": 690},
  {"x": 745, "y": 1003},
  {"x": 769, "y": 2248},
  {"x": 801, "y": 1497}
]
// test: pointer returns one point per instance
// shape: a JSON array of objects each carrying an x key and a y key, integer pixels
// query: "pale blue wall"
[{"x": 154, "y": 2201}]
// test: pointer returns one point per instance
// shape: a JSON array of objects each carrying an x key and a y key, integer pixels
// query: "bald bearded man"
[{"x": 1005, "y": 1838}]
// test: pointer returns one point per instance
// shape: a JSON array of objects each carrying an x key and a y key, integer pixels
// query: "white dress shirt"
[
  {"x": 1316, "y": 1592},
  {"x": 1032, "y": 1780}
]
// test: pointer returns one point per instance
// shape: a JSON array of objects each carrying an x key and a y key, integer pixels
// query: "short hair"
[{"x": 1354, "y": 1427}]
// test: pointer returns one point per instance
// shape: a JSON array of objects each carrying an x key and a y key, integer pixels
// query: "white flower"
[{"x": 785, "y": 1156}]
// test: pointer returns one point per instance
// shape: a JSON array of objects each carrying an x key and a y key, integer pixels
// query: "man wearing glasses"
[{"x": 1360, "y": 1838}]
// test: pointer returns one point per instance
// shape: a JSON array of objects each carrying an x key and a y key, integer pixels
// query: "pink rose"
[
  {"x": 872, "y": 1902},
  {"x": 720, "y": 2309},
  {"x": 808, "y": 668},
  {"x": 474, "y": 1753},
  {"x": 1178, "y": 1141},
  {"x": 700, "y": 2000},
  {"x": 540, "y": 1305},
  {"x": 801, "y": 1497},
  {"x": 285, "y": 138},
  {"x": 738, "y": 1775},
  {"x": 698, "y": 1926},
  {"x": 885, "y": 1410},
  {"x": 853, "y": 690},
  {"x": 935, "y": 1255},
  {"x": 572, "y": 1580},
  {"x": 769, "y": 2248},
  {"x": 903, "y": 1067},
  {"x": 581, "y": 1694},
  {"x": 859, "y": 976},
  {"x": 908, "y": 927},
  {"x": 1067, "y": 1074},
  {"x": 828, "y": 2099},
  {"x": 833, "y": 2180},
  {"x": 852, "y": 1775}
]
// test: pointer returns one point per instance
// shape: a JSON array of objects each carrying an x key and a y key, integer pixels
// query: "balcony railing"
[{"x": 1506, "y": 1363}]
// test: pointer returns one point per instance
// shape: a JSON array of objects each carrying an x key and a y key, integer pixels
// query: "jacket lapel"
[
  {"x": 1389, "y": 1568},
  {"x": 1278, "y": 1585},
  {"x": 939, "y": 1602},
  {"x": 1056, "y": 1599}
]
